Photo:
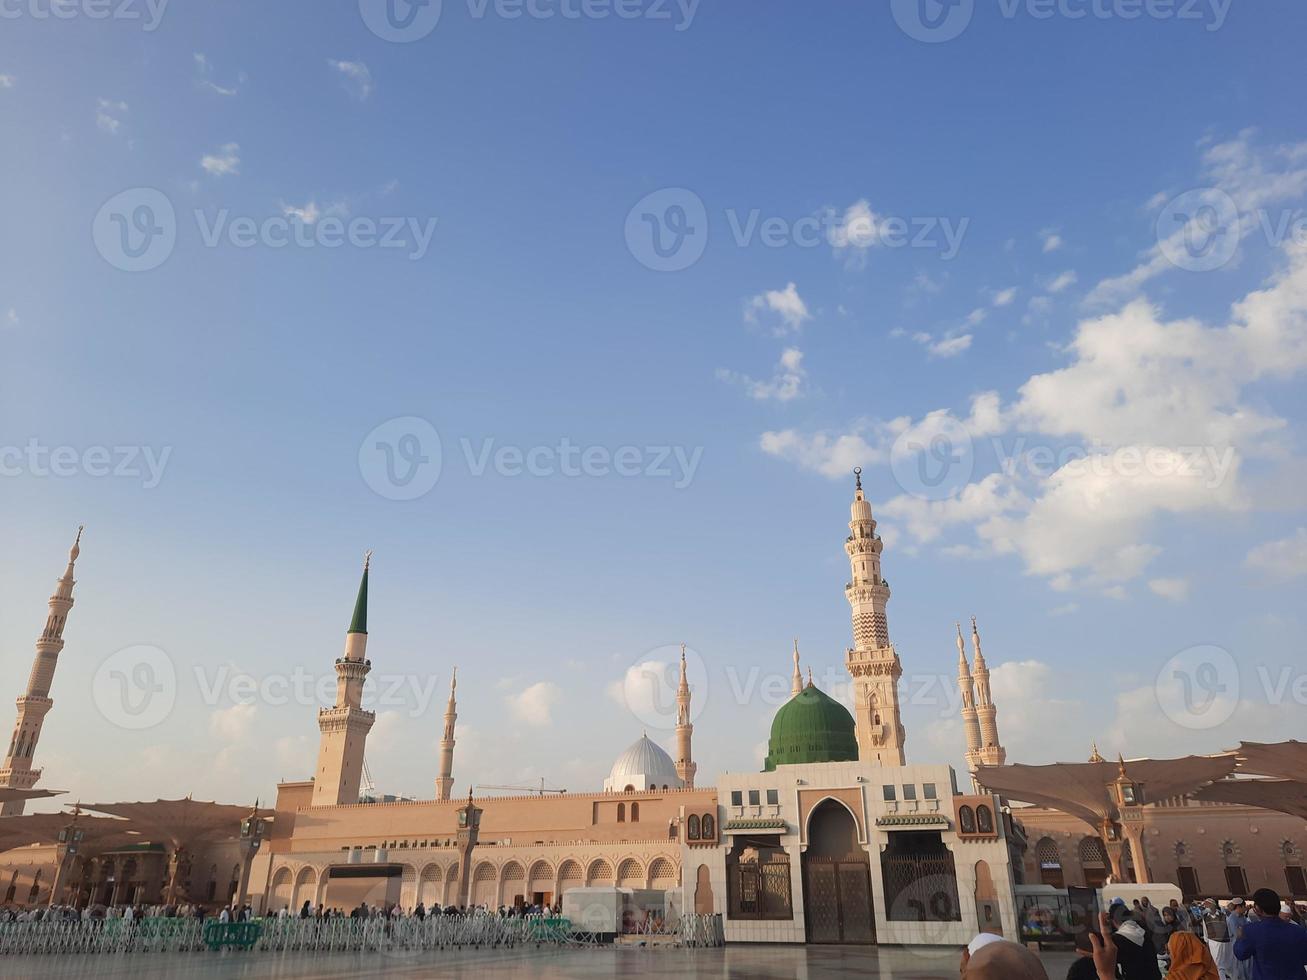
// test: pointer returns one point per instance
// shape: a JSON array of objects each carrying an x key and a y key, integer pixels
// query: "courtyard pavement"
[{"x": 787, "y": 962}]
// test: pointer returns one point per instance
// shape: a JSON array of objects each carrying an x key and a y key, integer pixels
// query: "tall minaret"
[
  {"x": 970, "y": 719},
  {"x": 35, "y": 703},
  {"x": 796, "y": 682},
  {"x": 345, "y": 726},
  {"x": 685, "y": 767},
  {"x": 445, "y": 781},
  {"x": 992, "y": 752},
  {"x": 872, "y": 662}
]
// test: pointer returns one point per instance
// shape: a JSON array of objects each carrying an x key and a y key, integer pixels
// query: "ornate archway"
[{"x": 836, "y": 879}]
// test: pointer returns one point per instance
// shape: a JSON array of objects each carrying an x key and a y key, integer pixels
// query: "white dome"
[{"x": 643, "y": 766}]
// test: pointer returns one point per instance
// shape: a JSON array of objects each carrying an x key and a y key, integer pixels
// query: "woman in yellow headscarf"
[{"x": 1190, "y": 959}]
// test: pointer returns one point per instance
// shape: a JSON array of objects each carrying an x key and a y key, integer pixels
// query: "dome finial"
[
  {"x": 810, "y": 684},
  {"x": 857, "y": 475}
]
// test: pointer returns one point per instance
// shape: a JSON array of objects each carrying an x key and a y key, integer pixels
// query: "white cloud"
[
  {"x": 976, "y": 317},
  {"x": 1052, "y": 241},
  {"x": 785, "y": 303},
  {"x": 977, "y": 502},
  {"x": 1176, "y": 589},
  {"x": 204, "y": 77},
  {"x": 1004, "y": 297},
  {"x": 1066, "y": 609},
  {"x": 648, "y": 691},
  {"x": 295, "y": 754},
  {"x": 1150, "y": 417},
  {"x": 7, "y": 81},
  {"x": 831, "y": 456},
  {"x": 869, "y": 442},
  {"x": 786, "y": 384},
  {"x": 1281, "y": 560},
  {"x": 11, "y": 317},
  {"x": 1064, "y": 281},
  {"x": 534, "y": 705},
  {"x": 232, "y": 724},
  {"x": 949, "y": 346},
  {"x": 1037, "y": 309},
  {"x": 1254, "y": 178},
  {"x": 108, "y": 116},
  {"x": 224, "y": 162},
  {"x": 308, "y": 214},
  {"x": 356, "y": 76},
  {"x": 858, "y": 229}
]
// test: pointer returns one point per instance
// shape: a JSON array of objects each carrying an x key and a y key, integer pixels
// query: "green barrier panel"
[
  {"x": 242, "y": 935},
  {"x": 550, "y": 929}
]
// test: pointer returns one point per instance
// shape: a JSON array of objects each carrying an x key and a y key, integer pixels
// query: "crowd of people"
[
  {"x": 419, "y": 911},
  {"x": 246, "y": 913},
  {"x": 1262, "y": 940}
]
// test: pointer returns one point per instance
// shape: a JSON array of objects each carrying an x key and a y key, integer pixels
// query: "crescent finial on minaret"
[
  {"x": 76, "y": 549},
  {"x": 453, "y": 680},
  {"x": 367, "y": 559},
  {"x": 857, "y": 475}
]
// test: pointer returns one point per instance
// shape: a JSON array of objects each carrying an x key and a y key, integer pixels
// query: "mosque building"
[{"x": 841, "y": 838}]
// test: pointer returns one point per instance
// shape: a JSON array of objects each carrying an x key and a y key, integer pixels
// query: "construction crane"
[
  {"x": 368, "y": 789},
  {"x": 538, "y": 790}
]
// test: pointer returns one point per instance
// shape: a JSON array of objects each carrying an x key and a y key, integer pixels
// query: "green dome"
[{"x": 811, "y": 727}]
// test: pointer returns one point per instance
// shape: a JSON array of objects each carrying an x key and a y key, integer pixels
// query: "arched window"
[
  {"x": 1050, "y": 863},
  {"x": 692, "y": 831},
  {"x": 984, "y": 819},
  {"x": 635, "y": 813},
  {"x": 967, "y": 818},
  {"x": 709, "y": 827},
  {"x": 621, "y": 813}
]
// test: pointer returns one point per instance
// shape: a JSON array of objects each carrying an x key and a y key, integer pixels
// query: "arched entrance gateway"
[{"x": 836, "y": 879}]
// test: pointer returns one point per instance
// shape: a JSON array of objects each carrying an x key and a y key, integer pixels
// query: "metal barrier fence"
[{"x": 474, "y": 930}]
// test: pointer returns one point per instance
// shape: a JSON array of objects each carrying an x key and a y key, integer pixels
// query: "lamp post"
[
  {"x": 66, "y": 848},
  {"x": 253, "y": 827}
]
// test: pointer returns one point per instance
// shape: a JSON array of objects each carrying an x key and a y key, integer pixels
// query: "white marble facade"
[{"x": 798, "y": 789}]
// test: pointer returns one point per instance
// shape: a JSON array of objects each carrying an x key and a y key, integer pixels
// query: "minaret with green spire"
[
  {"x": 345, "y": 725},
  {"x": 359, "y": 624}
]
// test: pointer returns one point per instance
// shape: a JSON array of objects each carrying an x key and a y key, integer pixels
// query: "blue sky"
[{"x": 900, "y": 241}]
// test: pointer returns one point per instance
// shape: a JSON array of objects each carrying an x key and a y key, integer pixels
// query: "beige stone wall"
[
  {"x": 528, "y": 845},
  {"x": 1204, "y": 837}
]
